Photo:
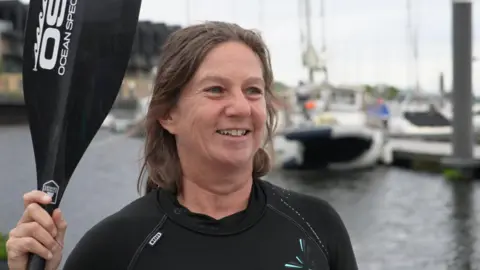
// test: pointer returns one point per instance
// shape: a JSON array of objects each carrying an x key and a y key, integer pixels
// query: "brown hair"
[{"x": 181, "y": 55}]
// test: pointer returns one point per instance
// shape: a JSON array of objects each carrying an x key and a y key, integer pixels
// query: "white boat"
[
  {"x": 418, "y": 114},
  {"x": 338, "y": 137},
  {"x": 122, "y": 120}
]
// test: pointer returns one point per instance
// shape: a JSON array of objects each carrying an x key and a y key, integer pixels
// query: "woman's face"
[{"x": 221, "y": 114}]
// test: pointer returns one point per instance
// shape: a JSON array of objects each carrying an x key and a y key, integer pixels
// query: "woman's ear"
[{"x": 167, "y": 123}]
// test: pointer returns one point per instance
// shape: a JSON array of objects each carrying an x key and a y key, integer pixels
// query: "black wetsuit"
[{"x": 279, "y": 229}]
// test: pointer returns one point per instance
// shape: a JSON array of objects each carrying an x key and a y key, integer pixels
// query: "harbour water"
[{"x": 397, "y": 219}]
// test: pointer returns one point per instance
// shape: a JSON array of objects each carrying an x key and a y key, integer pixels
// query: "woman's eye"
[
  {"x": 215, "y": 90},
  {"x": 254, "y": 91}
]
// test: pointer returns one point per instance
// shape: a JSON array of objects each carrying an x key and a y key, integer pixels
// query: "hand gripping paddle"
[{"x": 75, "y": 56}]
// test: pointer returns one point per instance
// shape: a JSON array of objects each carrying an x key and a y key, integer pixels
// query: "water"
[{"x": 397, "y": 219}]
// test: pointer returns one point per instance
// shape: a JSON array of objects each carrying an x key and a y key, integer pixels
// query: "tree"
[
  {"x": 392, "y": 92},
  {"x": 369, "y": 89},
  {"x": 382, "y": 91}
]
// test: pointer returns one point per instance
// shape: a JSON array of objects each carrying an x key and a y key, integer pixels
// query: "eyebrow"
[
  {"x": 220, "y": 79},
  {"x": 213, "y": 78}
]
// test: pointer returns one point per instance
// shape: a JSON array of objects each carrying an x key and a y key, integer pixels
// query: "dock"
[{"x": 422, "y": 154}]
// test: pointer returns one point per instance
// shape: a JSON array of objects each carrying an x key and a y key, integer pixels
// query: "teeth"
[{"x": 233, "y": 132}]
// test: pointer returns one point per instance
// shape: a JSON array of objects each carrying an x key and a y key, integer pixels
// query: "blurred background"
[{"x": 366, "y": 118}]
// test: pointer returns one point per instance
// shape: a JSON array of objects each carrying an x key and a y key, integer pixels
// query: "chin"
[{"x": 236, "y": 159}]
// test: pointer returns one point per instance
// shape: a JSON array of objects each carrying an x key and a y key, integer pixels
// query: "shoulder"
[
  {"x": 116, "y": 238},
  {"x": 318, "y": 218},
  {"x": 313, "y": 209}
]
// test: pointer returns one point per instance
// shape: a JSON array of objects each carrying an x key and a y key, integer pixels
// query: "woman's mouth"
[{"x": 233, "y": 132}]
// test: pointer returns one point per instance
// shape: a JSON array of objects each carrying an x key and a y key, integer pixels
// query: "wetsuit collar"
[{"x": 204, "y": 224}]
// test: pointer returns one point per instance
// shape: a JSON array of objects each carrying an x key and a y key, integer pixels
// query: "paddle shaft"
[
  {"x": 36, "y": 262},
  {"x": 51, "y": 167},
  {"x": 56, "y": 153}
]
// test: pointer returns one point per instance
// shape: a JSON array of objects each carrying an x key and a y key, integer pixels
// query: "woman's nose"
[{"x": 239, "y": 105}]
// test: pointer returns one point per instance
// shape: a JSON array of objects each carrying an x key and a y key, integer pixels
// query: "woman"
[{"x": 205, "y": 207}]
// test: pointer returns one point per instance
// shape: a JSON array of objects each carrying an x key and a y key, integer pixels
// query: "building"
[{"x": 145, "y": 54}]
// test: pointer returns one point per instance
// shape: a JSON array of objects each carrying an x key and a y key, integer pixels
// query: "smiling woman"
[
  {"x": 205, "y": 207},
  {"x": 226, "y": 88},
  {"x": 225, "y": 107}
]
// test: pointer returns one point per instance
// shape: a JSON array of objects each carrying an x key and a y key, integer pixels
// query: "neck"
[{"x": 216, "y": 197}]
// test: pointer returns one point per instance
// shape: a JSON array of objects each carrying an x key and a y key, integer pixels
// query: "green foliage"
[
  {"x": 392, "y": 92},
  {"x": 386, "y": 91},
  {"x": 3, "y": 247},
  {"x": 452, "y": 174},
  {"x": 369, "y": 89}
]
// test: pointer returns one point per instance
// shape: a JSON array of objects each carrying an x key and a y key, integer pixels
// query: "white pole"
[{"x": 187, "y": 7}]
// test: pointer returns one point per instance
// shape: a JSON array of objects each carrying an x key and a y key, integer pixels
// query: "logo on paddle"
[
  {"x": 52, "y": 189},
  {"x": 55, "y": 25}
]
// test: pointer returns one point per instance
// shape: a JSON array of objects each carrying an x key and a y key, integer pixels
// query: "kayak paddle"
[{"x": 75, "y": 56}]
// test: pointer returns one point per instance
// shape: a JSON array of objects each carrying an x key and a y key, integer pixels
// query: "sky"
[{"x": 366, "y": 39}]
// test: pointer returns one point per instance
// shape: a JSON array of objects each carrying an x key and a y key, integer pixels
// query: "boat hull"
[{"x": 336, "y": 148}]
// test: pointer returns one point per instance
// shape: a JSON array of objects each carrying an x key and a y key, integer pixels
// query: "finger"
[
  {"x": 61, "y": 225},
  {"x": 36, "y": 231},
  {"x": 35, "y": 196},
  {"x": 36, "y": 213},
  {"x": 18, "y": 247}
]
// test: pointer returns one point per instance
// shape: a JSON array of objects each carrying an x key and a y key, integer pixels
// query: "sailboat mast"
[
  {"x": 187, "y": 7},
  {"x": 300, "y": 23},
  {"x": 261, "y": 10},
  {"x": 234, "y": 10},
  {"x": 308, "y": 15},
  {"x": 324, "y": 42},
  {"x": 412, "y": 41}
]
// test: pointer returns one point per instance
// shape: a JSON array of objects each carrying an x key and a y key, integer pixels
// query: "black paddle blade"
[{"x": 75, "y": 56}]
